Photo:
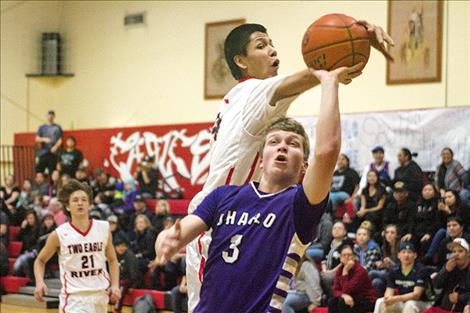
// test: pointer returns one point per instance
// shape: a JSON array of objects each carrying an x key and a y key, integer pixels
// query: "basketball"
[{"x": 335, "y": 40}]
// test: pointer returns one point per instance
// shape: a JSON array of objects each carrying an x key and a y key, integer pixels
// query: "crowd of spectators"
[{"x": 397, "y": 236}]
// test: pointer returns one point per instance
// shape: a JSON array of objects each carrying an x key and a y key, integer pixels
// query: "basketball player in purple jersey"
[{"x": 260, "y": 230}]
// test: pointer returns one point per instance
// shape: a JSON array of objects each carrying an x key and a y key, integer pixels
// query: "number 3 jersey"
[
  {"x": 82, "y": 257},
  {"x": 257, "y": 242}
]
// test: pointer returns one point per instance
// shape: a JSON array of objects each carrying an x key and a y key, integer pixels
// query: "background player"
[
  {"x": 260, "y": 231},
  {"x": 84, "y": 245},
  {"x": 259, "y": 98}
]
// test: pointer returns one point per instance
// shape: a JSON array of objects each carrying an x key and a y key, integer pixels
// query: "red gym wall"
[{"x": 181, "y": 151}]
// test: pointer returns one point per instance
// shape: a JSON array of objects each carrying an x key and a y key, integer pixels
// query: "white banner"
[{"x": 423, "y": 131}]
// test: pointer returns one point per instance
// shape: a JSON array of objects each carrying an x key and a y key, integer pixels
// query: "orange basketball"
[{"x": 335, "y": 40}]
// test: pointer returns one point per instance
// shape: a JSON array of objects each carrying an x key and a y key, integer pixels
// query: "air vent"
[{"x": 135, "y": 19}]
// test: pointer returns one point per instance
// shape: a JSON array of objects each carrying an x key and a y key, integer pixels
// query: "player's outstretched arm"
[
  {"x": 295, "y": 84},
  {"x": 170, "y": 241},
  {"x": 51, "y": 246},
  {"x": 317, "y": 179}
]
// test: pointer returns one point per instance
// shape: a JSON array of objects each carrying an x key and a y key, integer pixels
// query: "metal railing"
[{"x": 18, "y": 161}]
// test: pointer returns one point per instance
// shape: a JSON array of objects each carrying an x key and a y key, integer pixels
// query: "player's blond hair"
[{"x": 289, "y": 125}]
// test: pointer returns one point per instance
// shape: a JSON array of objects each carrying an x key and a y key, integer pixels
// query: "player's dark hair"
[
  {"x": 289, "y": 125},
  {"x": 235, "y": 44},
  {"x": 69, "y": 188}
]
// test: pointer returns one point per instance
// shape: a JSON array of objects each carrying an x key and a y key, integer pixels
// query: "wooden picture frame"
[
  {"x": 217, "y": 77},
  {"x": 416, "y": 28}
]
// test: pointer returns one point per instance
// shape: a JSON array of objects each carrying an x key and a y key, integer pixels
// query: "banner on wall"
[
  {"x": 182, "y": 158},
  {"x": 423, "y": 131}
]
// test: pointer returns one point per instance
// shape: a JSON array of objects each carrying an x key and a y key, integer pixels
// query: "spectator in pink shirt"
[{"x": 55, "y": 209}]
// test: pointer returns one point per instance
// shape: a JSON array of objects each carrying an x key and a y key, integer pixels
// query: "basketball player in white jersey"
[
  {"x": 84, "y": 246},
  {"x": 260, "y": 97}
]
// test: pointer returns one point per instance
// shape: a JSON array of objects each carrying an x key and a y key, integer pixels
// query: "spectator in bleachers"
[
  {"x": 164, "y": 275},
  {"x": 345, "y": 182},
  {"x": 4, "y": 228},
  {"x": 306, "y": 292},
  {"x": 332, "y": 262},
  {"x": 161, "y": 214},
  {"x": 409, "y": 279},
  {"x": 4, "y": 264},
  {"x": 82, "y": 176},
  {"x": 409, "y": 173},
  {"x": 116, "y": 231},
  {"x": 179, "y": 297},
  {"x": 144, "y": 243},
  {"x": 372, "y": 201},
  {"x": 455, "y": 229},
  {"x": 454, "y": 279},
  {"x": 427, "y": 222},
  {"x": 450, "y": 174},
  {"x": 380, "y": 165},
  {"x": 139, "y": 208},
  {"x": 401, "y": 211},
  {"x": 129, "y": 274},
  {"x": 9, "y": 193},
  {"x": 49, "y": 140},
  {"x": 55, "y": 209},
  {"x": 147, "y": 177},
  {"x": 28, "y": 235},
  {"x": 69, "y": 158},
  {"x": 321, "y": 244},
  {"x": 54, "y": 184},
  {"x": 389, "y": 250},
  {"x": 40, "y": 186},
  {"x": 454, "y": 205},
  {"x": 26, "y": 198},
  {"x": 103, "y": 184},
  {"x": 352, "y": 288},
  {"x": 129, "y": 193},
  {"x": 366, "y": 248}
]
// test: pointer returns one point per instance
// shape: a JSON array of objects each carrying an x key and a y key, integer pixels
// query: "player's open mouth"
[
  {"x": 276, "y": 63},
  {"x": 281, "y": 158}
]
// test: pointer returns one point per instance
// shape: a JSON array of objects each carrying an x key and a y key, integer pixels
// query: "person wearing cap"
[
  {"x": 147, "y": 177},
  {"x": 401, "y": 211},
  {"x": 140, "y": 207},
  {"x": 380, "y": 165},
  {"x": 115, "y": 229},
  {"x": 455, "y": 229},
  {"x": 454, "y": 280},
  {"x": 48, "y": 140},
  {"x": 410, "y": 173},
  {"x": 410, "y": 279}
]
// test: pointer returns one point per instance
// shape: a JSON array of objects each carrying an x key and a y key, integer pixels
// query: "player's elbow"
[{"x": 328, "y": 149}]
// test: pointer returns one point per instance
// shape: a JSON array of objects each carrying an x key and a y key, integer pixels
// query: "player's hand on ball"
[
  {"x": 378, "y": 37},
  {"x": 344, "y": 75},
  {"x": 40, "y": 291}
]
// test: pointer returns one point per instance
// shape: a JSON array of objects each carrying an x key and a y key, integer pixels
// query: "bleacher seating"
[
  {"x": 14, "y": 248},
  {"x": 12, "y": 284},
  {"x": 13, "y": 231},
  {"x": 176, "y": 207}
]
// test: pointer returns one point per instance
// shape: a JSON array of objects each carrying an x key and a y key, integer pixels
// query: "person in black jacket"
[
  {"x": 28, "y": 235},
  {"x": 401, "y": 211},
  {"x": 144, "y": 244},
  {"x": 410, "y": 173},
  {"x": 427, "y": 222}
]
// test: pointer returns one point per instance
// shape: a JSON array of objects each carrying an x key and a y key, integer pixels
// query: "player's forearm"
[
  {"x": 114, "y": 273},
  {"x": 191, "y": 227},
  {"x": 295, "y": 84},
  {"x": 39, "y": 269}
]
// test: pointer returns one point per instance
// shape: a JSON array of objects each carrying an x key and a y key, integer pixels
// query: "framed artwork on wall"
[
  {"x": 217, "y": 77},
  {"x": 416, "y": 28}
]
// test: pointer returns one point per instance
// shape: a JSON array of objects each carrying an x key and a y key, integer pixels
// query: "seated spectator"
[
  {"x": 28, "y": 235},
  {"x": 379, "y": 165},
  {"x": 390, "y": 244},
  {"x": 455, "y": 229},
  {"x": 118, "y": 234},
  {"x": 26, "y": 198},
  {"x": 366, "y": 248},
  {"x": 401, "y": 211},
  {"x": 451, "y": 175},
  {"x": 332, "y": 262},
  {"x": 69, "y": 158},
  {"x": 129, "y": 274},
  {"x": 140, "y": 208},
  {"x": 55, "y": 209},
  {"x": 409, "y": 279},
  {"x": 54, "y": 184},
  {"x": 40, "y": 186},
  {"x": 372, "y": 201},
  {"x": 409, "y": 173},
  {"x": 179, "y": 297},
  {"x": 9, "y": 195},
  {"x": 321, "y": 244},
  {"x": 427, "y": 222},
  {"x": 147, "y": 177},
  {"x": 103, "y": 185},
  {"x": 82, "y": 176},
  {"x": 352, "y": 289},
  {"x": 164, "y": 275},
  {"x": 4, "y": 228},
  {"x": 345, "y": 182},
  {"x": 454, "y": 279},
  {"x": 161, "y": 214},
  {"x": 144, "y": 244},
  {"x": 306, "y": 292}
]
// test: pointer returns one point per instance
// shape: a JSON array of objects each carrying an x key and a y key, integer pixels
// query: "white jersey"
[
  {"x": 82, "y": 257},
  {"x": 238, "y": 133}
]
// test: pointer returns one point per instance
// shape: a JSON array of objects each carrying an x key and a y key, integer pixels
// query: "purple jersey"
[{"x": 257, "y": 241}]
